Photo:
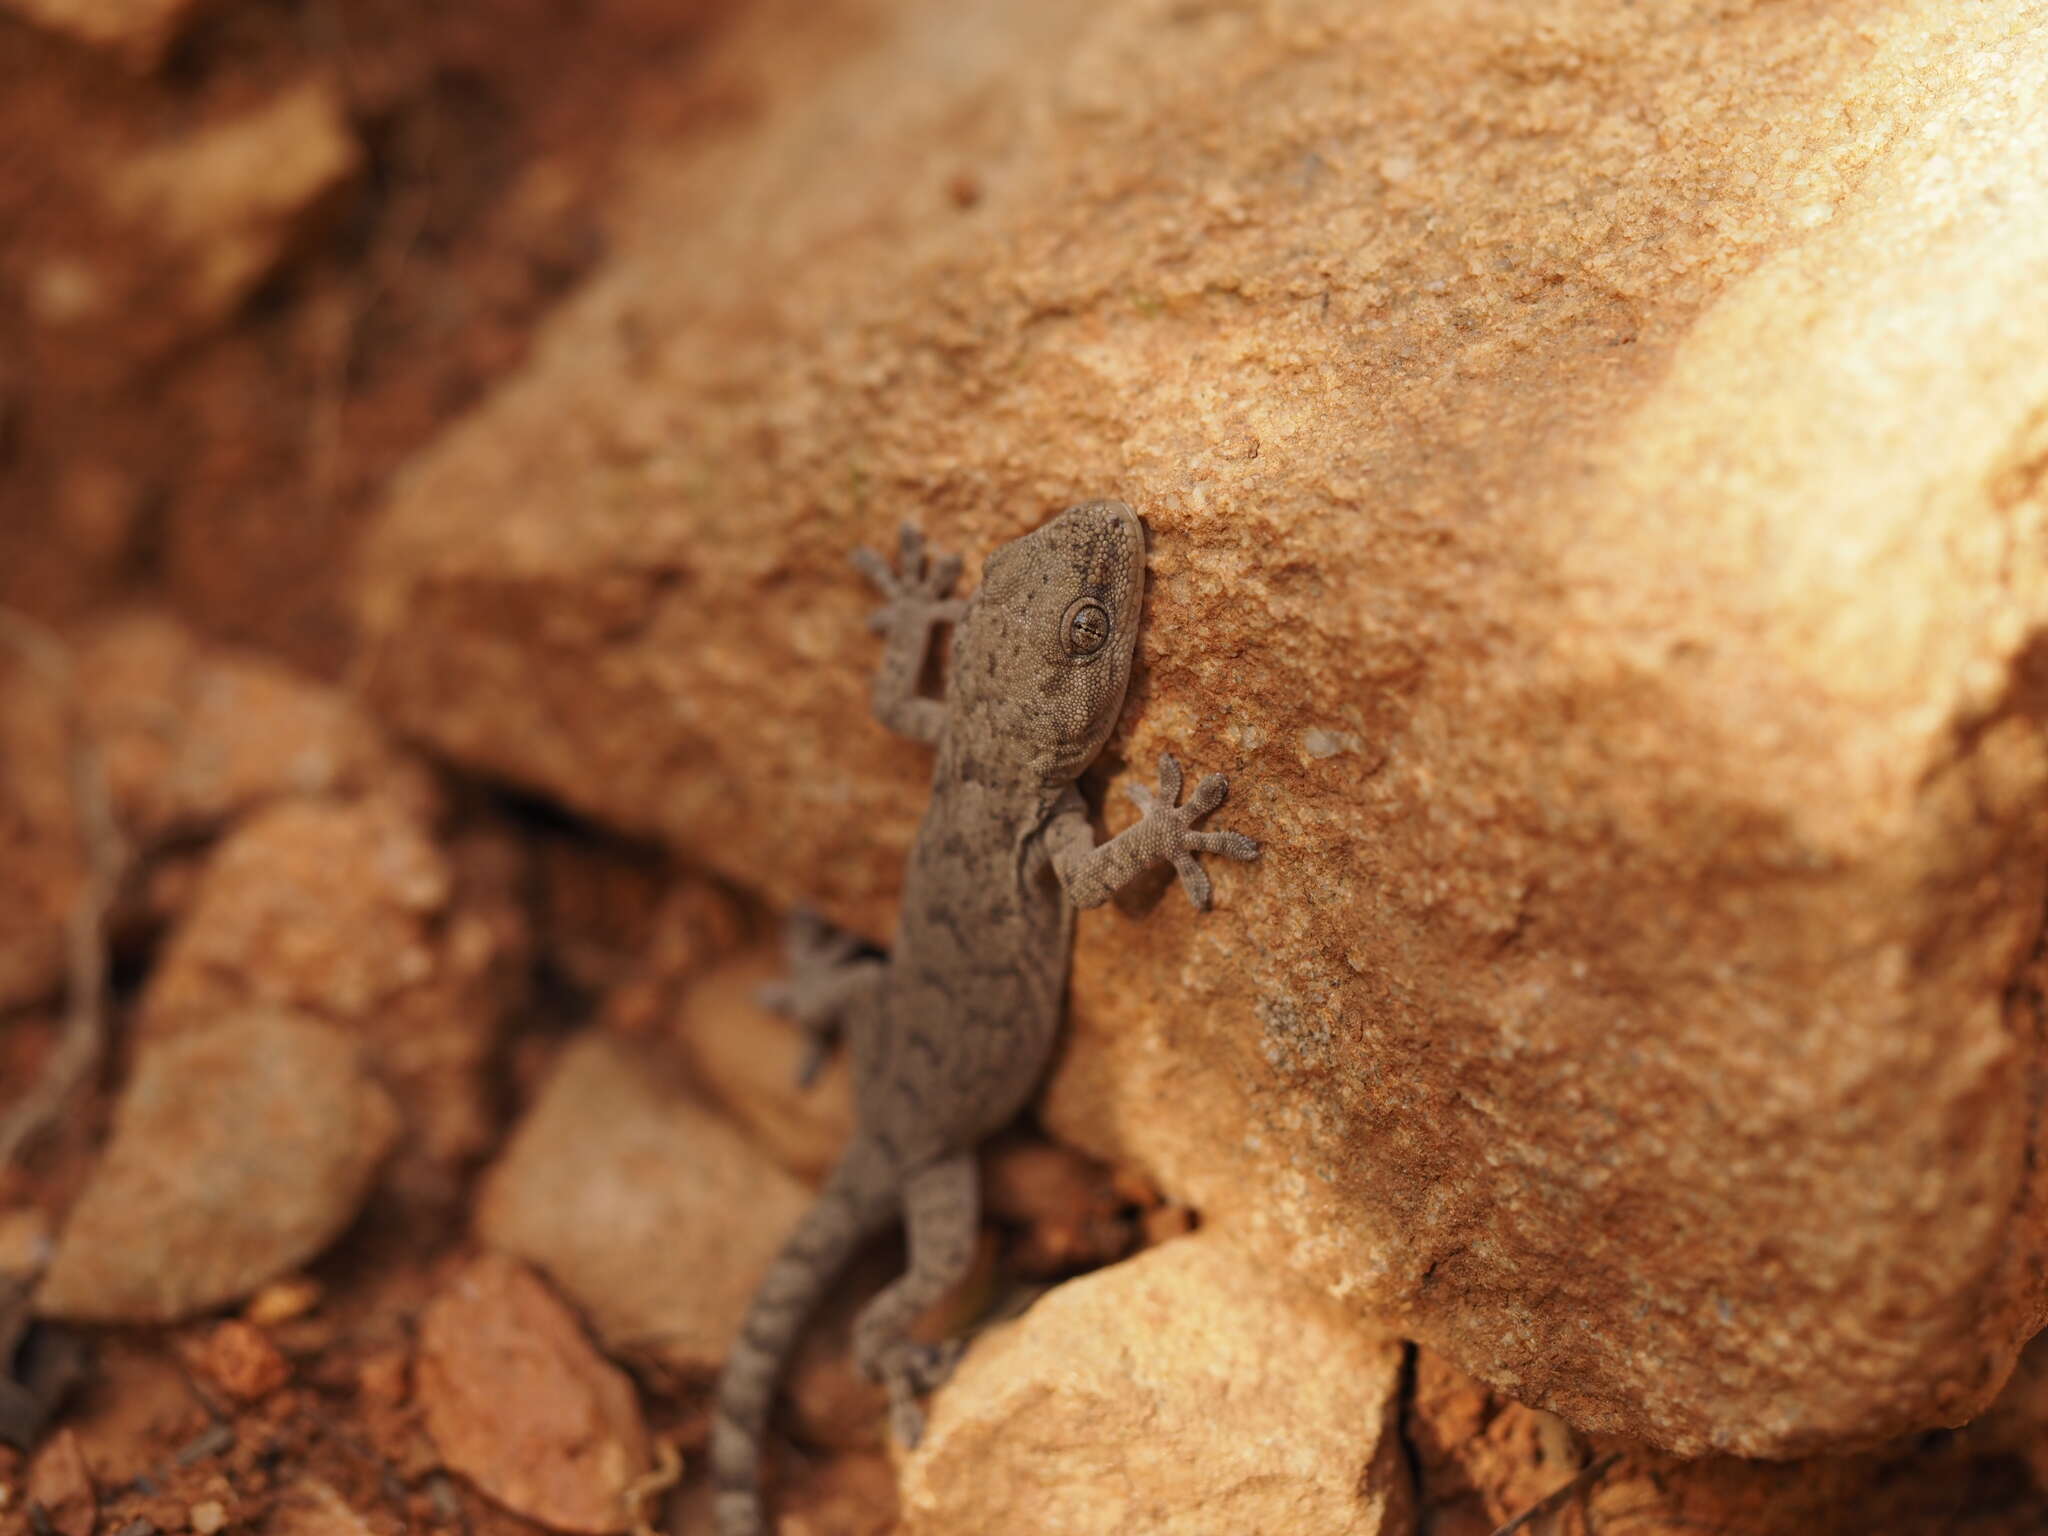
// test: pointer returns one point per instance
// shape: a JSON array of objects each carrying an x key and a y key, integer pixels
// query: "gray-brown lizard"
[{"x": 950, "y": 1035}]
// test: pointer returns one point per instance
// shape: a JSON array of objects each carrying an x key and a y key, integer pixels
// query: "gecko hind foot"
[{"x": 911, "y": 1371}]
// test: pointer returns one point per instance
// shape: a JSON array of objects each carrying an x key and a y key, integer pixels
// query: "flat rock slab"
[
  {"x": 239, "y": 1151},
  {"x": 1594, "y": 464},
  {"x": 349, "y": 910},
  {"x": 650, "y": 1212},
  {"x": 1189, "y": 1391},
  {"x": 518, "y": 1401}
]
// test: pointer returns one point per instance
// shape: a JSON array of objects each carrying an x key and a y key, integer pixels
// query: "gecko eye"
[{"x": 1086, "y": 627}]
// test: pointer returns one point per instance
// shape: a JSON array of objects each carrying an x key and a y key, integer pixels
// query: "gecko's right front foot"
[
  {"x": 1178, "y": 841},
  {"x": 918, "y": 592}
]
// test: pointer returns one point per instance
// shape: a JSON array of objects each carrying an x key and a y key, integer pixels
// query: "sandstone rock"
[
  {"x": 749, "y": 1059},
  {"x": 60, "y": 1485},
  {"x": 349, "y": 911},
  {"x": 239, "y": 1150},
  {"x": 193, "y": 735},
  {"x": 648, "y": 1211},
  {"x": 187, "y": 737},
  {"x": 1591, "y": 456},
  {"x": 1187, "y": 1390},
  {"x": 311, "y": 1507},
  {"x": 520, "y": 1404},
  {"x": 240, "y": 1360},
  {"x": 1482, "y": 1461},
  {"x": 1067, "y": 1205},
  {"x": 42, "y": 864},
  {"x": 694, "y": 926},
  {"x": 225, "y": 205},
  {"x": 136, "y": 30}
]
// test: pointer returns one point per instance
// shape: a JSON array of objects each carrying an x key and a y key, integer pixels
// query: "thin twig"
[
  {"x": 82, "y": 1040},
  {"x": 641, "y": 1493},
  {"x": 1560, "y": 1496}
]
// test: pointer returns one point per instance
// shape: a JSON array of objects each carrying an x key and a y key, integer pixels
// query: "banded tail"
[{"x": 857, "y": 1201}]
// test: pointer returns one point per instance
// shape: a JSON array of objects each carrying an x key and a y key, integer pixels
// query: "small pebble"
[
  {"x": 208, "y": 1517},
  {"x": 240, "y": 1360},
  {"x": 282, "y": 1301}
]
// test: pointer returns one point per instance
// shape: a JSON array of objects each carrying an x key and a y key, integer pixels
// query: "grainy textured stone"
[
  {"x": 193, "y": 735},
  {"x": 519, "y": 1403},
  {"x": 350, "y": 911},
  {"x": 1187, "y": 1391},
  {"x": 135, "y": 30},
  {"x": 1594, "y": 463},
  {"x": 649, "y": 1212},
  {"x": 749, "y": 1059},
  {"x": 239, "y": 1151},
  {"x": 187, "y": 737},
  {"x": 239, "y": 1359},
  {"x": 312, "y": 1508},
  {"x": 60, "y": 1485},
  {"x": 1481, "y": 1461},
  {"x": 223, "y": 206},
  {"x": 42, "y": 862}
]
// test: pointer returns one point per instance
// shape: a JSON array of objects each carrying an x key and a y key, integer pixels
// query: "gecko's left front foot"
[
  {"x": 1173, "y": 826},
  {"x": 827, "y": 967}
]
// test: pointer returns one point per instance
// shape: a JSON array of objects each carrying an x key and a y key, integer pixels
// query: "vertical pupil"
[{"x": 1090, "y": 626}]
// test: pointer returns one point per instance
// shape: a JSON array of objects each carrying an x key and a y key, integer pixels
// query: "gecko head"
[{"x": 1045, "y": 654}]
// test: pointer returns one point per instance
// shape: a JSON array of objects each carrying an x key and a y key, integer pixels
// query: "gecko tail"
[{"x": 857, "y": 1201}]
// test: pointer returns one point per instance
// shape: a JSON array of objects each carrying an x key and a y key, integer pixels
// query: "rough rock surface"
[
  {"x": 520, "y": 1404},
  {"x": 239, "y": 1358},
  {"x": 226, "y": 204},
  {"x": 60, "y": 1486},
  {"x": 749, "y": 1059},
  {"x": 313, "y": 1508},
  {"x": 649, "y": 1212},
  {"x": 192, "y": 735},
  {"x": 239, "y": 1151},
  {"x": 42, "y": 861},
  {"x": 1188, "y": 1390},
  {"x": 351, "y": 912},
  {"x": 1482, "y": 1461},
  {"x": 136, "y": 30},
  {"x": 1594, "y": 459},
  {"x": 187, "y": 737}
]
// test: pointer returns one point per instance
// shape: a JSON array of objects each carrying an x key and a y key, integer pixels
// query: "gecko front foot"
[
  {"x": 918, "y": 592},
  {"x": 827, "y": 969},
  {"x": 1171, "y": 826}
]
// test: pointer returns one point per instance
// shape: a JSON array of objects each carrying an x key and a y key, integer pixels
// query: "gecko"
[{"x": 950, "y": 1034}]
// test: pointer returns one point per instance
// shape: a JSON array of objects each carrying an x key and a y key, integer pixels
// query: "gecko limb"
[
  {"x": 1165, "y": 833},
  {"x": 829, "y": 972},
  {"x": 918, "y": 598},
  {"x": 941, "y": 1209}
]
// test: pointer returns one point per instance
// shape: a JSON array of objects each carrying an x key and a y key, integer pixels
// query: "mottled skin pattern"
[{"x": 950, "y": 1035}]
